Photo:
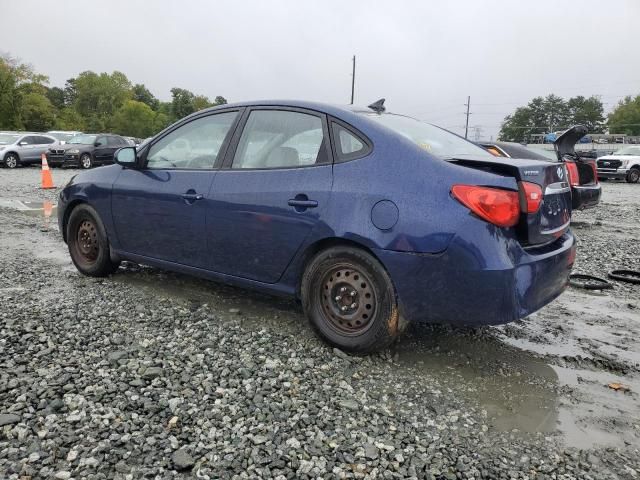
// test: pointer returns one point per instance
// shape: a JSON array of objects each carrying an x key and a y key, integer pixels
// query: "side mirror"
[
  {"x": 126, "y": 156},
  {"x": 23, "y": 143},
  {"x": 97, "y": 144}
]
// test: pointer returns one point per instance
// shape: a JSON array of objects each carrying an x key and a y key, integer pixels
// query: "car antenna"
[{"x": 377, "y": 106}]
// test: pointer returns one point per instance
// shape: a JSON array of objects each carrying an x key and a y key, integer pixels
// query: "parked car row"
[
  {"x": 62, "y": 148},
  {"x": 581, "y": 172}
]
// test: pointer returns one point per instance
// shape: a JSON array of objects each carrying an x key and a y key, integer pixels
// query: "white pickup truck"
[{"x": 624, "y": 163}]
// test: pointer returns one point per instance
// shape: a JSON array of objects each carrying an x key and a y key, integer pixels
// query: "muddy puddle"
[{"x": 45, "y": 211}]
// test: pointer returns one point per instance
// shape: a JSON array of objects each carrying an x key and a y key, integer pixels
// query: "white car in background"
[
  {"x": 63, "y": 136},
  {"x": 622, "y": 164},
  {"x": 23, "y": 148}
]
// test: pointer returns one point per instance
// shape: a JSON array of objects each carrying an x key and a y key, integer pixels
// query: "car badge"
[
  {"x": 607, "y": 163},
  {"x": 560, "y": 173}
]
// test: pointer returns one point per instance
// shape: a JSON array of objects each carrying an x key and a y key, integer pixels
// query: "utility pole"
[
  {"x": 466, "y": 127},
  {"x": 353, "y": 79}
]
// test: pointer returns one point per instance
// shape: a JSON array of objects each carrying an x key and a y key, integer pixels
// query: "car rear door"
[
  {"x": 101, "y": 150},
  {"x": 42, "y": 146},
  {"x": 271, "y": 193},
  {"x": 159, "y": 210}
]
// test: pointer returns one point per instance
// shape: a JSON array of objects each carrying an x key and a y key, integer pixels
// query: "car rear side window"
[
  {"x": 193, "y": 145},
  {"x": 280, "y": 139},
  {"x": 348, "y": 144}
]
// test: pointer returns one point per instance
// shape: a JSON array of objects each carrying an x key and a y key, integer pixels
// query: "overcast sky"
[{"x": 425, "y": 57}]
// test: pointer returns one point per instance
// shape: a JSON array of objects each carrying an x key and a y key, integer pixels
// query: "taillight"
[
  {"x": 595, "y": 171},
  {"x": 572, "y": 168},
  {"x": 496, "y": 206},
  {"x": 531, "y": 196}
]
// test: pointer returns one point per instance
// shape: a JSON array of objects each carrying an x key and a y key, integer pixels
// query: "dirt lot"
[{"x": 157, "y": 375}]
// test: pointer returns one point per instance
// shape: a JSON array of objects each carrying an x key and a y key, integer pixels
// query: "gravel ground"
[{"x": 149, "y": 374}]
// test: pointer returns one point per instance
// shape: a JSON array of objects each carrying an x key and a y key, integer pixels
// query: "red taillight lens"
[
  {"x": 532, "y": 196},
  {"x": 595, "y": 172},
  {"x": 497, "y": 206},
  {"x": 572, "y": 168}
]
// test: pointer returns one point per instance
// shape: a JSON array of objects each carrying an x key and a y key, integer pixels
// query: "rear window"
[{"x": 435, "y": 140}]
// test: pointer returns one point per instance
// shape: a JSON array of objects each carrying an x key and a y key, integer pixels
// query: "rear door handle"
[{"x": 303, "y": 203}]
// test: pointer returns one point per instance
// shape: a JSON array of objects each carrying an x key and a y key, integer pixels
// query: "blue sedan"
[{"x": 371, "y": 219}]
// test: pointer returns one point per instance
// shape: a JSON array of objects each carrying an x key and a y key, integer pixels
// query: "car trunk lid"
[{"x": 553, "y": 216}]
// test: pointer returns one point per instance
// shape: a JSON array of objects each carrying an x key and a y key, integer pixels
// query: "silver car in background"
[{"x": 23, "y": 148}]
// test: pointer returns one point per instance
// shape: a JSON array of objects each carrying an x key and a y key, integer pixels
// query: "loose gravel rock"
[{"x": 147, "y": 374}]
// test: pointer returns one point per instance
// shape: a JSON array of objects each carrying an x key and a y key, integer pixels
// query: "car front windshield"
[
  {"x": 435, "y": 140},
  {"x": 6, "y": 138},
  {"x": 628, "y": 151},
  {"x": 83, "y": 139}
]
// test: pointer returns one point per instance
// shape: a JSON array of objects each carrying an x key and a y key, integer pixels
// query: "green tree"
[
  {"x": 142, "y": 94},
  {"x": 56, "y": 97},
  {"x": 69, "y": 119},
  {"x": 135, "y": 119},
  {"x": 16, "y": 81},
  {"x": 160, "y": 122},
  {"x": 626, "y": 117},
  {"x": 220, "y": 100},
  {"x": 37, "y": 112},
  {"x": 200, "y": 102},
  {"x": 70, "y": 93},
  {"x": 588, "y": 112},
  {"x": 98, "y": 96},
  {"x": 181, "y": 103}
]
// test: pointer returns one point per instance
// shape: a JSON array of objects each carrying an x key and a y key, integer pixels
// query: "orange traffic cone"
[{"x": 47, "y": 181}]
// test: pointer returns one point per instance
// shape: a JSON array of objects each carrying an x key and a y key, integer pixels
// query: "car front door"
[
  {"x": 27, "y": 149},
  {"x": 114, "y": 144},
  {"x": 271, "y": 193},
  {"x": 159, "y": 209}
]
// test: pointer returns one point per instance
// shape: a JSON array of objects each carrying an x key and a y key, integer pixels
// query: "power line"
[
  {"x": 466, "y": 127},
  {"x": 353, "y": 79}
]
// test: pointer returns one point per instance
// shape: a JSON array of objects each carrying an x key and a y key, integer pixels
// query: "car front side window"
[
  {"x": 280, "y": 139},
  {"x": 195, "y": 144}
]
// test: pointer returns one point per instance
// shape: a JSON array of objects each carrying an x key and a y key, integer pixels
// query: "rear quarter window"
[{"x": 348, "y": 143}]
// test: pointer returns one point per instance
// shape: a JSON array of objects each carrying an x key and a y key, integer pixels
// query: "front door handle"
[
  {"x": 192, "y": 196},
  {"x": 303, "y": 203}
]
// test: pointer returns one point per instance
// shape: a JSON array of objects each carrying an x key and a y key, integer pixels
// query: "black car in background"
[
  {"x": 582, "y": 172},
  {"x": 86, "y": 150}
]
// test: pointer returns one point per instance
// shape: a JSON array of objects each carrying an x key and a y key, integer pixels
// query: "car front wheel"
[
  {"x": 88, "y": 243},
  {"x": 85, "y": 161},
  {"x": 11, "y": 160},
  {"x": 634, "y": 175},
  {"x": 350, "y": 300}
]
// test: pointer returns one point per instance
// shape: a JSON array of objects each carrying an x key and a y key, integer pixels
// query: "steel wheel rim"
[
  {"x": 11, "y": 161},
  {"x": 87, "y": 244},
  {"x": 635, "y": 176},
  {"x": 348, "y": 299},
  {"x": 86, "y": 161}
]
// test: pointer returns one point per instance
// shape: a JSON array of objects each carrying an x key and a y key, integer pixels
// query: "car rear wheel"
[
  {"x": 634, "y": 175},
  {"x": 88, "y": 243},
  {"x": 11, "y": 160},
  {"x": 85, "y": 161},
  {"x": 350, "y": 300}
]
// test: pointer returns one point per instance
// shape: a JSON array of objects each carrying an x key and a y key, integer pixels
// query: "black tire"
[
  {"x": 588, "y": 282},
  {"x": 88, "y": 243},
  {"x": 633, "y": 176},
  {"x": 629, "y": 276},
  {"x": 11, "y": 160},
  {"x": 85, "y": 162},
  {"x": 364, "y": 321}
]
